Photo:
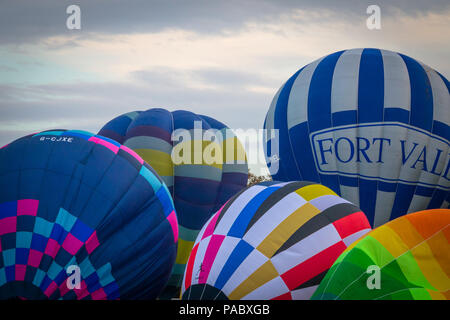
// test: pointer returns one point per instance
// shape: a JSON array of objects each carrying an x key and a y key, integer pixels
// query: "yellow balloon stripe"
[
  {"x": 314, "y": 191},
  {"x": 286, "y": 228},
  {"x": 430, "y": 268},
  {"x": 263, "y": 274},
  {"x": 390, "y": 240},
  {"x": 406, "y": 231},
  {"x": 440, "y": 246},
  {"x": 198, "y": 152},
  {"x": 184, "y": 249},
  {"x": 233, "y": 150},
  {"x": 160, "y": 161}
]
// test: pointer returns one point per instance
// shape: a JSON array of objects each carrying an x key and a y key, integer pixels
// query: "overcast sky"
[{"x": 225, "y": 59}]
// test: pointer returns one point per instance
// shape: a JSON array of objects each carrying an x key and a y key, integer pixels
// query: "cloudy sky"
[{"x": 225, "y": 59}]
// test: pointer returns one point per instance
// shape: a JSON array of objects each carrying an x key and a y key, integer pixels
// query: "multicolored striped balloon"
[
  {"x": 372, "y": 125},
  {"x": 272, "y": 241},
  {"x": 407, "y": 258},
  {"x": 198, "y": 188},
  {"x": 82, "y": 217}
]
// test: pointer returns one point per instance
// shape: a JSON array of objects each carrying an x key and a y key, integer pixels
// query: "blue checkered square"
[
  {"x": 104, "y": 273},
  {"x": 23, "y": 239},
  {"x": 54, "y": 270},
  {"x": 38, "y": 242},
  {"x": 38, "y": 277},
  {"x": 2, "y": 276},
  {"x": 8, "y": 241},
  {"x": 25, "y": 223},
  {"x": 9, "y": 257},
  {"x": 10, "y": 272},
  {"x": 22, "y": 256},
  {"x": 58, "y": 233},
  {"x": 65, "y": 219},
  {"x": 86, "y": 268},
  {"x": 81, "y": 231},
  {"x": 8, "y": 209},
  {"x": 43, "y": 227}
]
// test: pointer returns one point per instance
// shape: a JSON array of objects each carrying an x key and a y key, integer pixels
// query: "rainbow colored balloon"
[
  {"x": 407, "y": 258},
  {"x": 82, "y": 217},
  {"x": 271, "y": 241},
  {"x": 198, "y": 187}
]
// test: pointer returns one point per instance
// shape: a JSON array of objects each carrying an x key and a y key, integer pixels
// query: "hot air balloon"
[
  {"x": 82, "y": 217},
  {"x": 372, "y": 125},
  {"x": 406, "y": 258},
  {"x": 198, "y": 187},
  {"x": 271, "y": 241}
]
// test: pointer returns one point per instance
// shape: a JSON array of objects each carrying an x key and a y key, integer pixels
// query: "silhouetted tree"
[{"x": 254, "y": 179}]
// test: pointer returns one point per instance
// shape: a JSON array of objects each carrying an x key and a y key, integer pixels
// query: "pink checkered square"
[
  {"x": 27, "y": 207},
  {"x": 92, "y": 243},
  {"x": 34, "y": 258},
  {"x": 72, "y": 244},
  {"x": 63, "y": 288},
  {"x": 99, "y": 294},
  {"x": 82, "y": 292},
  {"x": 20, "y": 272},
  {"x": 50, "y": 289},
  {"x": 8, "y": 225},
  {"x": 52, "y": 248}
]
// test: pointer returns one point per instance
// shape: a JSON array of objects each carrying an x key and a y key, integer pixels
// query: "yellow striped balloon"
[{"x": 202, "y": 168}]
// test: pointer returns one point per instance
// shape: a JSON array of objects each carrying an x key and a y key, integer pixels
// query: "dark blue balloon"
[{"x": 76, "y": 206}]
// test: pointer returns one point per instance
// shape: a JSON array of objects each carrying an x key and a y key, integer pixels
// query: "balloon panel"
[
  {"x": 271, "y": 241},
  {"x": 373, "y": 125},
  {"x": 199, "y": 188},
  {"x": 407, "y": 258}
]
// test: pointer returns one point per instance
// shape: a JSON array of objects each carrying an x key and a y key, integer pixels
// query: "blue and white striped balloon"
[{"x": 373, "y": 125}]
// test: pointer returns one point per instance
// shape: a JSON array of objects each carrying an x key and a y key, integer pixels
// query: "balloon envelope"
[
  {"x": 409, "y": 256},
  {"x": 81, "y": 208},
  {"x": 272, "y": 241},
  {"x": 199, "y": 188},
  {"x": 372, "y": 125}
]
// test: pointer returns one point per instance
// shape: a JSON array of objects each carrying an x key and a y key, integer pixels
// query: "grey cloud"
[
  {"x": 89, "y": 106},
  {"x": 24, "y": 21},
  {"x": 220, "y": 78},
  {"x": 225, "y": 77},
  {"x": 7, "y": 69}
]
